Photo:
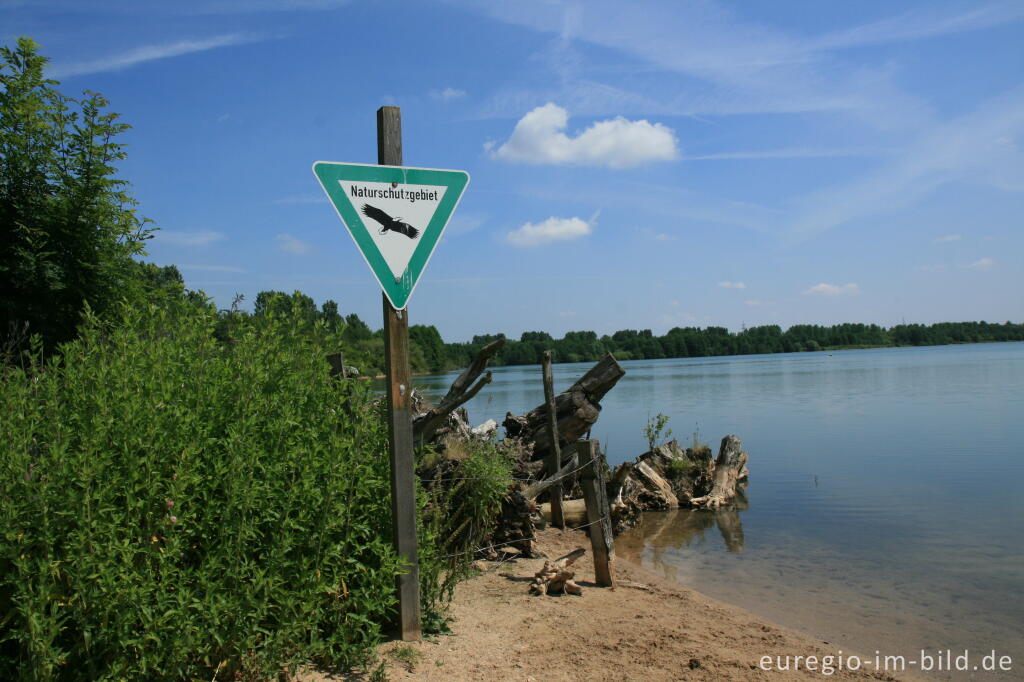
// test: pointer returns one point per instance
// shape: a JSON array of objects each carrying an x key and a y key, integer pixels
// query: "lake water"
[{"x": 885, "y": 507}]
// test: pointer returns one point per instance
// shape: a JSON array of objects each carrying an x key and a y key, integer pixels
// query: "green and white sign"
[{"x": 395, "y": 214}]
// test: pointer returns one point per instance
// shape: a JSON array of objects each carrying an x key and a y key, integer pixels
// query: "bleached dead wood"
[
  {"x": 730, "y": 467},
  {"x": 426, "y": 425},
  {"x": 555, "y": 576}
]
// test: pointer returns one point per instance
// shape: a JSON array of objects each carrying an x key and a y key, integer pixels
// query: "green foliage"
[
  {"x": 654, "y": 430},
  {"x": 171, "y": 506},
  {"x": 460, "y": 510},
  {"x": 68, "y": 229},
  {"x": 678, "y": 468}
]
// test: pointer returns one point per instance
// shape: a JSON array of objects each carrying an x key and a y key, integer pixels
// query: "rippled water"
[{"x": 884, "y": 509}]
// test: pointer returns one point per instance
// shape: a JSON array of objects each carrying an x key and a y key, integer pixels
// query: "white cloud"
[
  {"x": 448, "y": 94},
  {"x": 755, "y": 302},
  {"x": 291, "y": 244},
  {"x": 539, "y": 138},
  {"x": 212, "y": 268},
  {"x": 149, "y": 53},
  {"x": 567, "y": 313},
  {"x": 947, "y": 238},
  {"x": 662, "y": 237},
  {"x": 189, "y": 238},
  {"x": 732, "y": 285},
  {"x": 981, "y": 264},
  {"x": 824, "y": 289},
  {"x": 551, "y": 230}
]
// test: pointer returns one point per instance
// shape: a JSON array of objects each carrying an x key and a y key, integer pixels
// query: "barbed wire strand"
[
  {"x": 501, "y": 478},
  {"x": 512, "y": 542}
]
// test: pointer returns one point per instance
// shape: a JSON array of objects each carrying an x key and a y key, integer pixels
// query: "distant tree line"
[
  {"x": 364, "y": 347},
  {"x": 694, "y": 342}
]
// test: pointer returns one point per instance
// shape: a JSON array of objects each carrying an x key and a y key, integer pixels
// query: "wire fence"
[
  {"x": 496, "y": 478},
  {"x": 524, "y": 539}
]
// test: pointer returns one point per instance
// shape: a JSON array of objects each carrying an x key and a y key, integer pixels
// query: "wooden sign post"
[
  {"x": 395, "y": 215},
  {"x": 399, "y": 389}
]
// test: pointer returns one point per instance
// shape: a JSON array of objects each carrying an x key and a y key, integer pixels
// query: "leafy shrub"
[
  {"x": 459, "y": 512},
  {"x": 654, "y": 430},
  {"x": 171, "y": 507}
]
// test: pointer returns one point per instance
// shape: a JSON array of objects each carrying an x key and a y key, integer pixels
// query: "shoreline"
[
  {"x": 645, "y": 628},
  {"x": 823, "y": 349}
]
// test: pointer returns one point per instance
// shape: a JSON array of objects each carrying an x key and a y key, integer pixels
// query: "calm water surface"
[{"x": 884, "y": 510}]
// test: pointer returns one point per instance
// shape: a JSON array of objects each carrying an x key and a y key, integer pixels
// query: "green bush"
[
  {"x": 173, "y": 508},
  {"x": 459, "y": 511}
]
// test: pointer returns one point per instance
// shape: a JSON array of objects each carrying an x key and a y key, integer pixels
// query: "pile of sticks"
[{"x": 555, "y": 576}]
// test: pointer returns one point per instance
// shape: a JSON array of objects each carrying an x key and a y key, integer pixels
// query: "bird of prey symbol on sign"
[{"x": 389, "y": 224}]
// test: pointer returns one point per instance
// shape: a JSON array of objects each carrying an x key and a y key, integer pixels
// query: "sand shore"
[{"x": 645, "y": 629}]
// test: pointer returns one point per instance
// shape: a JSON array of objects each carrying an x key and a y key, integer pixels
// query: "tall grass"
[{"x": 172, "y": 507}]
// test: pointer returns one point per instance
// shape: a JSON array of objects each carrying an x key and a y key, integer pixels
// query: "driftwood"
[
  {"x": 428, "y": 425},
  {"x": 556, "y": 577},
  {"x": 576, "y": 410},
  {"x": 669, "y": 477},
  {"x": 730, "y": 468}
]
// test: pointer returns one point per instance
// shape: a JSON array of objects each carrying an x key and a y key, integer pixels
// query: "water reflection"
[{"x": 662, "y": 532}]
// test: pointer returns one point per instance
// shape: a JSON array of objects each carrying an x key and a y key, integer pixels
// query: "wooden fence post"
[
  {"x": 554, "y": 454},
  {"x": 599, "y": 523},
  {"x": 399, "y": 388},
  {"x": 337, "y": 362}
]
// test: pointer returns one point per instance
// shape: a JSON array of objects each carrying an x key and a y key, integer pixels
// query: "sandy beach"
[{"x": 644, "y": 629}]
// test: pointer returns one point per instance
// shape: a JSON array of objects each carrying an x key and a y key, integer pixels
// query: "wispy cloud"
[
  {"x": 463, "y": 223},
  {"x": 732, "y": 285},
  {"x": 981, "y": 264},
  {"x": 292, "y": 244},
  {"x": 447, "y": 94},
  {"x": 179, "y": 238},
  {"x": 732, "y": 66},
  {"x": 918, "y": 24},
  {"x": 150, "y": 53},
  {"x": 247, "y": 6},
  {"x": 301, "y": 199},
  {"x": 756, "y": 302},
  {"x": 539, "y": 138},
  {"x": 947, "y": 238},
  {"x": 794, "y": 153},
  {"x": 824, "y": 289},
  {"x": 212, "y": 268},
  {"x": 972, "y": 148},
  {"x": 551, "y": 230}
]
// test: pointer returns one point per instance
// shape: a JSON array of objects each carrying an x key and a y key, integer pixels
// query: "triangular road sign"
[{"x": 395, "y": 214}]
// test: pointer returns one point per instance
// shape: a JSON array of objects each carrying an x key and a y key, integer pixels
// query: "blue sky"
[{"x": 634, "y": 165}]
